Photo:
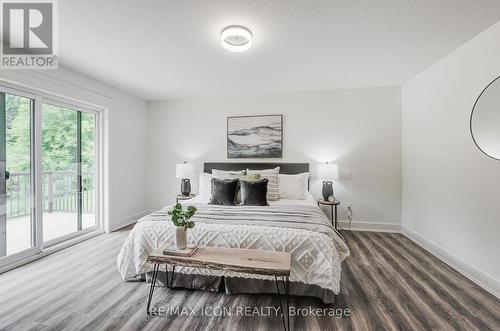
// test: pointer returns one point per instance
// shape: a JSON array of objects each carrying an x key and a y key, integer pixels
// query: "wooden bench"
[{"x": 251, "y": 261}]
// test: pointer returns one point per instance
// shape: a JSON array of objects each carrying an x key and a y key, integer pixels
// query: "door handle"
[{"x": 7, "y": 175}]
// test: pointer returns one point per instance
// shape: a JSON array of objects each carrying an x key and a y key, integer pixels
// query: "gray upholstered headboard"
[{"x": 285, "y": 168}]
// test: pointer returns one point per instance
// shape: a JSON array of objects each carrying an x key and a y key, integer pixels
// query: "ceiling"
[{"x": 159, "y": 49}]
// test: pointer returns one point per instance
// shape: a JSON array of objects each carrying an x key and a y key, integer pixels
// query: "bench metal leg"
[
  {"x": 286, "y": 288},
  {"x": 152, "y": 288},
  {"x": 170, "y": 281}
]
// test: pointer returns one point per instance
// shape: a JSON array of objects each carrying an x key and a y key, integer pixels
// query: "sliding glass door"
[
  {"x": 60, "y": 175},
  {"x": 68, "y": 147},
  {"x": 48, "y": 173}
]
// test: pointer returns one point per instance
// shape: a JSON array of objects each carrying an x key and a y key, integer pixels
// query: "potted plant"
[{"x": 180, "y": 218}]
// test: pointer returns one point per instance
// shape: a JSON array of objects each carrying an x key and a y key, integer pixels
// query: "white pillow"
[
  {"x": 205, "y": 187},
  {"x": 273, "y": 193},
  {"x": 293, "y": 186},
  {"x": 216, "y": 172}
]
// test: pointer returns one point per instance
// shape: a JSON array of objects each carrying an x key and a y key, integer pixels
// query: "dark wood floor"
[{"x": 388, "y": 283}]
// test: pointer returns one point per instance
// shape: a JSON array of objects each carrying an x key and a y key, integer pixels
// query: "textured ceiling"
[{"x": 158, "y": 49}]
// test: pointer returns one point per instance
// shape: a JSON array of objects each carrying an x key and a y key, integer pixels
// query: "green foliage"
[
  {"x": 17, "y": 133},
  {"x": 181, "y": 217},
  {"x": 58, "y": 136}
]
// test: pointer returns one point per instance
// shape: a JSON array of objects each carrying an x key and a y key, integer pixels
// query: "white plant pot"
[{"x": 180, "y": 238}]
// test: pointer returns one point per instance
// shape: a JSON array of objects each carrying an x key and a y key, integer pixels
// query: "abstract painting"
[{"x": 255, "y": 136}]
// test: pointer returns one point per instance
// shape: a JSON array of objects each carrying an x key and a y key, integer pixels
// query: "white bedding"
[{"x": 317, "y": 251}]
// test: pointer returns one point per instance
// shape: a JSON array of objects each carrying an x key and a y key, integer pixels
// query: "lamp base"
[
  {"x": 185, "y": 187},
  {"x": 327, "y": 189}
]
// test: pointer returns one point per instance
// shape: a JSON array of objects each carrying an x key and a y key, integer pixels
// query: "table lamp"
[
  {"x": 328, "y": 172},
  {"x": 184, "y": 171}
]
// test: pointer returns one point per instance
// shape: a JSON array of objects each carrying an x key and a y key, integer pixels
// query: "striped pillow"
[{"x": 273, "y": 192}]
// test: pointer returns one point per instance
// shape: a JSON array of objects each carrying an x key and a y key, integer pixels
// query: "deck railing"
[{"x": 59, "y": 192}]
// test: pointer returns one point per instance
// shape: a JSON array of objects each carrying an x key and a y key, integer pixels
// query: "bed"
[{"x": 295, "y": 226}]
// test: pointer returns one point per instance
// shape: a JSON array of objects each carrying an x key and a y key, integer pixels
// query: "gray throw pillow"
[
  {"x": 249, "y": 178},
  {"x": 223, "y": 192},
  {"x": 253, "y": 193}
]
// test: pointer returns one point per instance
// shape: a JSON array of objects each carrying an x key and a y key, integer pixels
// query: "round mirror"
[{"x": 485, "y": 120}]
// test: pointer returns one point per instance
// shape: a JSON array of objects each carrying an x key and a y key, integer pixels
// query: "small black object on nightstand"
[
  {"x": 333, "y": 206},
  {"x": 184, "y": 197}
]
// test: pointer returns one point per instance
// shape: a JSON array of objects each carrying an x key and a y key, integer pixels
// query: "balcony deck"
[{"x": 56, "y": 224}]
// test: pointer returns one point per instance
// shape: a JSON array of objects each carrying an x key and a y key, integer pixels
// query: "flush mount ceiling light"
[{"x": 236, "y": 38}]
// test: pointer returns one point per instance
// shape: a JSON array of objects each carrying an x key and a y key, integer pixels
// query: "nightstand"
[
  {"x": 181, "y": 197},
  {"x": 333, "y": 205}
]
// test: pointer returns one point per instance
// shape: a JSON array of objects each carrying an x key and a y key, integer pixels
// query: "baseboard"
[
  {"x": 481, "y": 278},
  {"x": 130, "y": 219},
  {"x": 370, "y": 226}
]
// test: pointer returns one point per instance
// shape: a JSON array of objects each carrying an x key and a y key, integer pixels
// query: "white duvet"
[{"x": 295, "y": 226}]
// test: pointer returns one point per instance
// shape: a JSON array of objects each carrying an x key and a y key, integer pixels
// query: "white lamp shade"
[
  {"x": 184, "y": 170},
  {"x": 328, "y": 171}
]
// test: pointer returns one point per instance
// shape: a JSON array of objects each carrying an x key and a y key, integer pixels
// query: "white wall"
[
  {"x": 125, "y": 127},
  {"x": 360, "y": 129},
  {"x": 451, "y": 190}
]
